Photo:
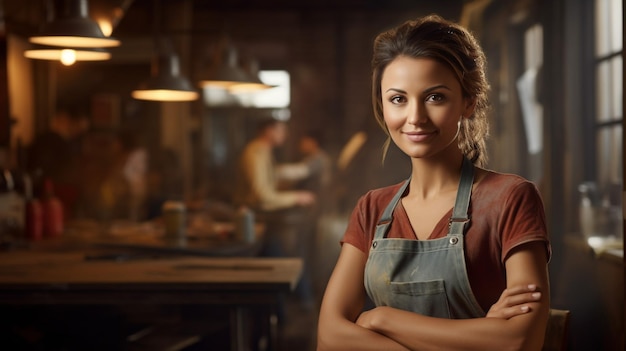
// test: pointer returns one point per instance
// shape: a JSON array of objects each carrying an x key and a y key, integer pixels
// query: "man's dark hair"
[{"x": 266, "y": 123}]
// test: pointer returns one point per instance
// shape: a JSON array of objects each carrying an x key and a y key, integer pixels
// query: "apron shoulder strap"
[
  {"x": 460, "y": 218},
  {"x": 385, "y": 218}
]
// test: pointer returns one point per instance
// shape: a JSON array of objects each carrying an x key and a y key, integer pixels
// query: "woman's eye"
[
  {"x": 397, "y": 99},
  {"x": 435, "y": 98}
]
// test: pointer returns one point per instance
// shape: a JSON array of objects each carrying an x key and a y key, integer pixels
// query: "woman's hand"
[
  {"x": 513, "y": 301},
  {"x": 366, "y": 318}
]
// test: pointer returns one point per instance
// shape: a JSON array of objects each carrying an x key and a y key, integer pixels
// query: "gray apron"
[{"x": 424, "y": 276}]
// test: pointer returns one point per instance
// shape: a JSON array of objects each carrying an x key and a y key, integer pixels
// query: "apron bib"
[{"x": 424, "y": 276}]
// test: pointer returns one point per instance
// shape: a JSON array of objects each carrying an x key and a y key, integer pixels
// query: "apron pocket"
[{"x": 426, "y": 298}]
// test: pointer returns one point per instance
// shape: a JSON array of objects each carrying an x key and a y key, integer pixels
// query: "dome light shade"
[
  {"x": 166, "y": 83},
  {"x": 61, "y": 54},
  {"x": 227, "y": 74},
  {"x": 73, "y": 28},
  {"x": 253, "y": 82}
]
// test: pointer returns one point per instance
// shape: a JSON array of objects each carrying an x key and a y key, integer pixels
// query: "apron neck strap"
[
  {"x": 385, "y": 219},
  {"x": 460, "y": 218}
]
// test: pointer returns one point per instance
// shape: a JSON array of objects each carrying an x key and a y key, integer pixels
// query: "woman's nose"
[{"x": 416, "y": 114}]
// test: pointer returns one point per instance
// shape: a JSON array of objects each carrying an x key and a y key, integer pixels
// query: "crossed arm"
[{"x": 515, "y": 322}]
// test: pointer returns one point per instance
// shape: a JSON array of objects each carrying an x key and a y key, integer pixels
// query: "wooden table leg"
[
  {"x": 273, "y": 329},
  {"x": 239, "y": 339}
]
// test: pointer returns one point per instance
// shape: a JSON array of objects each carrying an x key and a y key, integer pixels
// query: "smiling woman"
[
  {"x": 466, "y": 69},
  {"x": 423, "y": 105},
  {"x": 454, "y": 241}
]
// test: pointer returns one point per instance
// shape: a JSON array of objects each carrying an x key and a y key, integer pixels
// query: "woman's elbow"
[
  {"x": 332, "y": 334},
  {"x": 522, "y": 344},
  {"x": 531, "y": 343},
  {"x": 325, "y": 340},
  {"x": 525, "y": 341},
  {"x": 322, "y": 345}
]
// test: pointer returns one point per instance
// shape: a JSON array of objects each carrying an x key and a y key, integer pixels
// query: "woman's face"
[{"x": 422, "y": 106}]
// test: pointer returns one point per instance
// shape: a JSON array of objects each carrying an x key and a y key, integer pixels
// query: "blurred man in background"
[
  {"x": 283, "y": 212},
  {"x": 55, "y": 155}
]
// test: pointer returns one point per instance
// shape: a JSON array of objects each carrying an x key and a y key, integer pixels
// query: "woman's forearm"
[
  {"x": 417, "y": 332},
  {"x": 524, "y": 331},
  {"x": 342, "y": 334}
]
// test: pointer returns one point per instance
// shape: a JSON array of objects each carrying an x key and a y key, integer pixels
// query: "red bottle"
[
  {"x": 52, "y": 211},
  {"x": 33, "y": 216}
]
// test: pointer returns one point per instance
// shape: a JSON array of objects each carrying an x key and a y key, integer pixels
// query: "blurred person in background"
[
  {"x": 258, "y": 178},
  {"x": 124, "y": 190},
  {"x": 56, "y": 153},
  {"x": 164, "y": 180},
  {"x": 319, "y": 169},
  {"x": 319, "y": 180},
  {"x": 282, "y": 211}
]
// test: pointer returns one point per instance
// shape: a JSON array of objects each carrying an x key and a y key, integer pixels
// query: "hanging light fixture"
[
  {"x": 71, "y": 27},
  {"x": 226, "y": 73},
  {"x": 166, "y": 83},
  {"x": 67, "y": 56},
  {"x": 253, "y": 82},
  {"x": 108, "y": 14}
]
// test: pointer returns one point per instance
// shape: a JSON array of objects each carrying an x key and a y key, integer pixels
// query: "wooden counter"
[
  {"x": 37, "y": 271},
  {"x": 71, "y": 277}
]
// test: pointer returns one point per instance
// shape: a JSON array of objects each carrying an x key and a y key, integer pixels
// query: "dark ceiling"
[
  {"x": 273, "y": 32},
  {"x": 256, "y": 24},
  {"x": 25, "y": 16}
]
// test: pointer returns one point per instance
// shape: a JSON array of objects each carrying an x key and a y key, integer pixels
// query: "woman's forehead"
[{"x": 416, "y": 73}]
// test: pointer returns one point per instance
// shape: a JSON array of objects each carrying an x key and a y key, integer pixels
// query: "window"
[
  {"x": 608, "y": 112},
  {"x": 277, "y": 97},
  {"x": 608, "y": 83}
]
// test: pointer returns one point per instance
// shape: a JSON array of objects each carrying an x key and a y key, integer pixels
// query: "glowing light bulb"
[
  {"x": 106, "y": 27},
  {"x": 68, "y": 57}
]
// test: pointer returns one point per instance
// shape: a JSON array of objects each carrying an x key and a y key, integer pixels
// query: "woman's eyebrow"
[
  {"x": 426, "y": 91},
  {"x": 395, "y": 90},
  {"x": 440, "y": 86}
]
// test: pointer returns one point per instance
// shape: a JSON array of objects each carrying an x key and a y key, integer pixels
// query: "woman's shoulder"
[
  {"x": 366, "y": 214},
  {"x": 491, "y": 179},
  {"x": 384, "y": 192},
  {"x": 380, "y": 196},
  {"x": 493, "y": 186}
]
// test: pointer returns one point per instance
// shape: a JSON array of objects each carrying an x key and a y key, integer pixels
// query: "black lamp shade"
[
  {"x": 166, "y": 83},
  {"x": 227, "y": 74},
  {"x": 72, "y": 27}
]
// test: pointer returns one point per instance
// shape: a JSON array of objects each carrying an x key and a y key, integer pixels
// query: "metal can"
[{"x": 244, "y": 225}]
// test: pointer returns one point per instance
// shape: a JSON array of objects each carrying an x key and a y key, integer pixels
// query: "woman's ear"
[{"x": 469, "y": 106}]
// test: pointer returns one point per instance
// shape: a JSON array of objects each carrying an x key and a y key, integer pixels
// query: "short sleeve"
[
  {"x": 356, "y": 234},
  {"x": 523, "y": 219},
  {"x": 365, "y": 216}
]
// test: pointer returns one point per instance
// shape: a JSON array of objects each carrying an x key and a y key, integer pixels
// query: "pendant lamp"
[
  {"x": 67, "y": 56},
  {"x": 253, "y": 83},
  {"x": 166, "y": 83},
  {"x": 227, "y": 73},
  {"x": 71, "y": 27}
]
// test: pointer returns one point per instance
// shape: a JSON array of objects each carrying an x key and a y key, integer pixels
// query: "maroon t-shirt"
[{"x": 505, "y": 210}]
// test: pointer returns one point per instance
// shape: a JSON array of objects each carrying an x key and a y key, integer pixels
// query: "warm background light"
[
  {"x": 68, "y": 57},
  {"x": 105, "y": 26},
  {"x": 54, "y": 54},
  {"x": 165, "y": 95}
]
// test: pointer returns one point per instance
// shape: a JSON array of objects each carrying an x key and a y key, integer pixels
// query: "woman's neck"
[{"x": 432, "y": 177}]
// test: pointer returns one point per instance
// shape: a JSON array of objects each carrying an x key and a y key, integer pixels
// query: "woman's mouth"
[{"x": 418, "y": 136}]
